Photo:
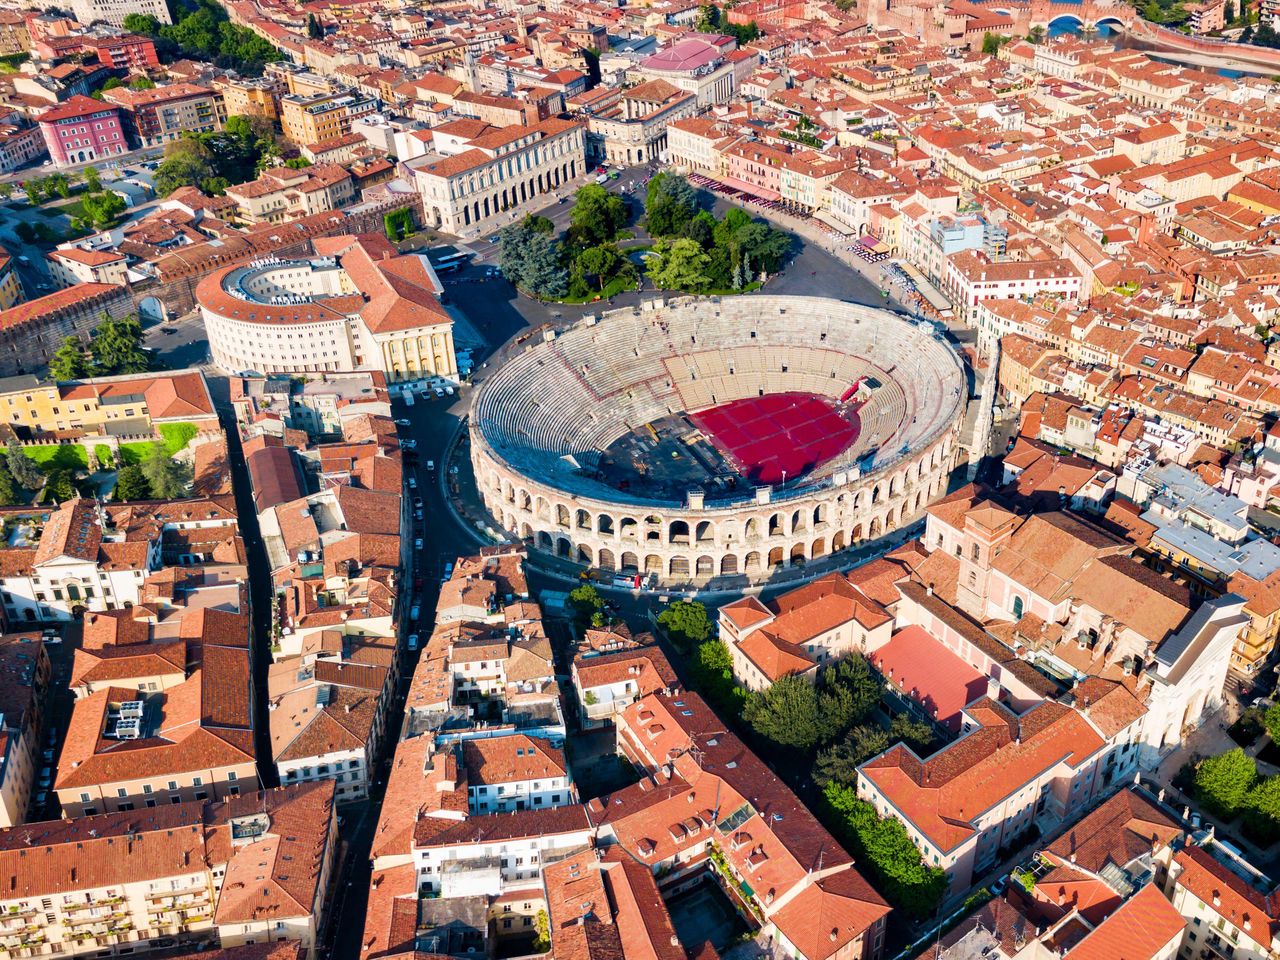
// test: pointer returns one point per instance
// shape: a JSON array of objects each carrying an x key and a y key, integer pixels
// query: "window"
[
  {"x": 1017, "y": 606},
  {"x": 146, "y": 788}
]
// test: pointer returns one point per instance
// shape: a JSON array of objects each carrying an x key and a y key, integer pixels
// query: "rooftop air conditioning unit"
[
  {"x": 128, "y": 729},
  {"x": 131, "y": 710}
]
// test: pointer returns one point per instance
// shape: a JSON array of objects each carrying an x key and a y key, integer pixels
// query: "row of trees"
[
  {"x": 696, "y": 253},
  {"x": 214, "y": 161},
  {"x": 115, "y": 348},
  {"x": 710, "y": 20},
  {"x": 834, "y": 713},
  {"x": 204, "y": 32},
  {"x": 884, "y": 846}
]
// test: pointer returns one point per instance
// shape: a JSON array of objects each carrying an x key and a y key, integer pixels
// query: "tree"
[
  {"x": 839, "y": 762},
  {"x": 398, "y": 224},
  {"x": 297, "y": 163},
  {"x": 142, "y": 23},
  {"x": 1036, "y": 35},
  {"x": 1229, "y": 12},
  {"x": 58, "y": 183},
  {"x": 142, "y": 83},
  {"x": 103, "y": 208},
  {"x": 914, "y": 733},
  {"x": 1262, "y": 811},
  {"x": 69, "y": 362},
  {"x": 679, "y": 265},
  {"x": 185, "y": 164},
  {"x": 92, "y": 180},
  {"x": 601, "y": 262},
  {"x": 6, "y": 190},
  {"x": 8, "y": 488},
  {"x": 117, "y": 347},
  {"x": 23, "y": 468},
  {"x": 670, "y": 203},
  {"x": 711, "y": 672},
  {"x": 168, "y": 478},
  {"x": 542, "y": 923},
  {"x": 530, "y": 257},
  {"x": 992, "y": 42},
  {"x": 34, "y": 191},
  {"x": 686, "y": 623},
  {"x": 597, "y": 214},
  {"x": 314, "y": 30},
  {"x": 884, "y": 846},
  {"x": 708, "y": 18},
  {"x": 1223, "y": 782},
  {"x": 59, "y": 486},
  {"x": 132, "y": 484},
  {"x": 847, "y": 693},
  {"x": 1271, "y": 720},
  {"x": 586, "y": 603},
  {"x": 26, "y": 233},
  {"x": 786, "y": 714}
]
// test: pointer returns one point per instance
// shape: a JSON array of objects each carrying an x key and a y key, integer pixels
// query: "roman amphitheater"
[{"x": 699, "y": 439}]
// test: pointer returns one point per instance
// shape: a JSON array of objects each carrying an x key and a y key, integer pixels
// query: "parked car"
[
  {"x": 413, "y": 641},
  {"x": 408, "y": 444},
  {"x": 413, "y": 482},
  {"x": 414, "y": 612},
  {"x": 402, "y": 422},
  {"x": 417, "y": 543},
  {"x": 417, "y": 503}
]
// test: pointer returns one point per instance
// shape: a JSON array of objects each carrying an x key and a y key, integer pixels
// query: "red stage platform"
[{"x": 789, "y": 433}]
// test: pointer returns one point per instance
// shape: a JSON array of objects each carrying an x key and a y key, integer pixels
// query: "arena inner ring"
[{"x": 702, "y": 438}]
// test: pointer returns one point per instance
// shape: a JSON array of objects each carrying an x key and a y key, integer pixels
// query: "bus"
[{"x": 450, "y": 262}]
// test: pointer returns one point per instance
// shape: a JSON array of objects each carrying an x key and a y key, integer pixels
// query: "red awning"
[{"x": 751, "y": 188}]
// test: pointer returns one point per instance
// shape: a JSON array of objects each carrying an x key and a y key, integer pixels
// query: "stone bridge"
[{"x": 1089, "y": 15}]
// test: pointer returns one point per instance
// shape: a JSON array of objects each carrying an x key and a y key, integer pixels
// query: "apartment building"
[
  {"x": 20, "y": 145},
  {"x": 635, "y": 130},
  {"x": 11, "y": 292},
  {"x": 470, "y": 178},
  {"x": 24, "y": 685},
  {"x": 125, "y": 51},
  {"x": 282, "y": 194},
  {"x": 311, "y": 118},
  {"x": 74, "y": 265},
  {"x": 250, "y": 97},
  {"x": 1229, "y": 906},
  {"x": 127, "y": 404},
  {"x": 516, "y": 772},
  {"x": 164, "y": 113},
  {"x": 246, "y": 870},
  {"x": 608, "y": 683}
]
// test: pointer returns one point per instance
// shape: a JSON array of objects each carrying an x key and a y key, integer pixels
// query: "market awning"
[
  {"x": 834, "y": 222},
  {"x": 751, "y": 188}
]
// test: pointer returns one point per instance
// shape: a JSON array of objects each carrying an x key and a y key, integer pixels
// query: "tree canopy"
[
  {"x": 167, "y": 477},
  {"x": 884, "y": 846},
  {"x": 22, "y": 468},
  {"x": 670, "y": 203},
  {"x": 597, "y": 215},
  {"x": 132, "y": 483},
  {"x": 530, "y": 257},
  {"x": 686, "y": 623},
  {"x": 1223, "y": 782}
]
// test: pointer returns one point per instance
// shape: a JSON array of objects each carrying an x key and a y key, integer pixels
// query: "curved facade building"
[
  {"x": 356, "y": 304},
  {"x": 659, "y": 387}
]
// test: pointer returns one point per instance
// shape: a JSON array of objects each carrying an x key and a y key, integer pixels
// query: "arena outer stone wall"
[{"x": 550, "y": 408}]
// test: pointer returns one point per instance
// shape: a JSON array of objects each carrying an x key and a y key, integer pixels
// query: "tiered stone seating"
[{"x": 594, "y": 383}]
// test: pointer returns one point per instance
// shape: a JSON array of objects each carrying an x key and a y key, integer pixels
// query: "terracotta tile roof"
[
  {"x": 1238, "y": 902},
  {"x": 1142, "y": 929},
  {"x": 830, "y": 914},
  {"x": 514, "y": 758},
  {"x": 942, "y": 796},
  {"x": 1120, "y": 831}
]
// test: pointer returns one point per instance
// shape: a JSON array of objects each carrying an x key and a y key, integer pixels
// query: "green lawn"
[
  {"x": 71, "y": 456},
  {"x": 613, "y": 288},
  {"x": 176, "y": 437},
  {"x": 103, "y": 454},
  {"x": 73, "y": 209}
]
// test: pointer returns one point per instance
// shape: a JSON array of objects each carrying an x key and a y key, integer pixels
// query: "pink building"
[
  {"x": 82, "y": 130},
  {"x": 755, "y": 168}
]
